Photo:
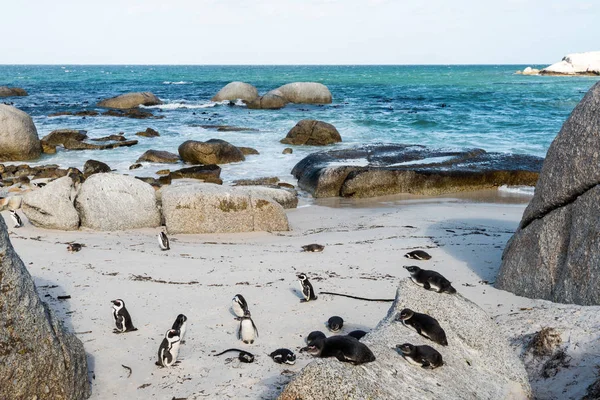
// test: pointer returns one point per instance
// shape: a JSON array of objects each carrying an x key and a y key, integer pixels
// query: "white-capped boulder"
[
  {"x": 236, "y": 90},
  {"x": 208, "y": 208},
  {"x": 576, "y": 64},
  {"x": 51, "y": 207},
  {"x": 111, "y": 202},
  {"x": 18, "y": 136}
]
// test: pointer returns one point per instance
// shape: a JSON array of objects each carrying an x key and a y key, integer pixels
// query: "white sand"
[{"x": 363, "y": 256}]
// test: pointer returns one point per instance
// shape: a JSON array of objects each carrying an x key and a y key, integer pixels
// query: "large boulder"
[
  {"x": 269, "y": 101},
  {"x": 18, "y": 137},
  {"x": 575, "y": 64},
  {"x": 12, "y": 91},
  {"x": 236, "y": 90},
  {"x": 554, "y": 255},
  {"x": 130, "y": 100},
  {"x": 208, "y": 208},
  {"x": 304, "y": 92},
  {"x": 159, "y": 156},
  {"x": 478, "y": 362},
  {"x": 51, "y": 207},
  {"x": 213, "y": 151},
  {"x": 312, "y": 133},
  {"x": 111, "y": 202},
  {"x": 378, "y": 170},
  {"x": 39, "y": 358}
]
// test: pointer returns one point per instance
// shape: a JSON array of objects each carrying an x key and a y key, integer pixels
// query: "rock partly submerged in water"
[
  {"x": 311, "y": 132},
  {"x": 304, "y": 93},
  {"x": 208, "y": 173},
  {"x": 6, "y": 91},
  {"x": 130, "y": 100},
  {"x": 478, "y": 362},
  {"x": 92, "y": 167},
  {"x": 269, "y": 101},
  {"x": 377, "y": 170},
  {"x": 40, "y": 359},
  {"x": 576, "y": 64},
  {"x": 18, "y": 136},
  {"x": 236, "y": 90},
  {"x": 159, "y": 156},
  {"x": 213, "y": 151},
  {"x": 555, "y": 254}
]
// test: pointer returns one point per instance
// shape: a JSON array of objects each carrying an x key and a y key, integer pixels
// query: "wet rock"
[
  {"x": 228, "y": 128},
  {"x": 110, "y": 138},
  {"x": 158, "y": 156},
  {"x": 77, "y": 145},
  {"x": 236, "y": 90},
  {"x": 18, "y": 136},
  {"x": 135, "y": 166},
  {"x": 51, "y": 207},
  {"x": 130, "y": 100},
  {"x": 554, "y": 254},
  {"x": 213, "y": 151},
  {"x": 92, "y": 167},
  {"x": 304, "y": 93},
  {"x": 207, "y": 173},
  {"x": 40, "y": 359},
  {"x": 312, "y": 133},
  {"x": 47, "y": 148},
  {"x": 478, "y": 363},
  {"x": 248, "y": 151},
  {"x": 287, "y": 150},
  {"x": 149, "y": 132},
  {"x": 58, "y": 137},
  {"x": 269, "y": 101},
  {"x": 12, "y": 91},
  {"x": 163, "y": 172},
  {"x": 131, "y": 113},
  {"x": 378, "y": 170}
]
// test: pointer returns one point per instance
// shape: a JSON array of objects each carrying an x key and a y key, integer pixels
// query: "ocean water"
[{"x": 449, "y": 107}]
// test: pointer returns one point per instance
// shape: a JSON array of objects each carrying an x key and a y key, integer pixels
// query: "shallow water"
[{"x": 450, "y": 107}]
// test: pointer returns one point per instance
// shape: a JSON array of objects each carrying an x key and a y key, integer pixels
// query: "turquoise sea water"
[{"x": 450, "y": 107}]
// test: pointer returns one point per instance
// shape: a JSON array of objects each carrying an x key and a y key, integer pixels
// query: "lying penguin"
[
  {"x": 430, "y": 280},
  {"x": 344, "y": 348}
]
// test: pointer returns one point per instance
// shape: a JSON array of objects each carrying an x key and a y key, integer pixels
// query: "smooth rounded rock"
[
  {"x": 130, "y": 100},
  {"x": 51, "y": 207},
  {"x": 312, "y": 133},
  {"x": 305, "y": 93},
  {"x": 18, "y": 136},
  {"x": 236, "y": 90},
  {"x": 159, "y": 156},
  {"x": 213, "y": 151}
]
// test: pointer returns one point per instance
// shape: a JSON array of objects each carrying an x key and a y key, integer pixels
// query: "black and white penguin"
[
  {"x": 357, "y": 334},
  {"x": 74, "y": 247},
  {"x": 121, "y": 317},
  {"x": 335, "y": 324},
  {"x": 169, "y": 349},
  {"x": 243, "y": 356},
  {"x": 423, "y": 356},
  {"x": 38, "y": 185},
  {"x": 307, "y": 289},
  {"x": 344, "y": 348},
  {"x": 313, "y": 248},
  {"x": 248, "y": 331},
  {"x": 425, "y": 325},
  {"x": 430, "y": 280},
  {"x": 16, "y": 219},
  {"x": 180, "y": 325},
  {"x": 314, "y": 335},
  {"x": 418, "y": 255},
  {"x": 163, "y": 241},
  {"x": 239, "y": 306},
  {"x": 283, "y": 356}
]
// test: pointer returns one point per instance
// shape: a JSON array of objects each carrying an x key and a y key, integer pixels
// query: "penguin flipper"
[
  {"x": 255, "y": 328},
  {"x": 426, "y": 285}
]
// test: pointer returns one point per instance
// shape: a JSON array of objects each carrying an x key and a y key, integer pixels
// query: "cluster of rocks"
[
  {"x": 72, "y": 139},
  {"x": 125, "y": 105},
  {"x": 555, "y": 254},
  {"x": 378, "y": 170},
  {"x": 297, "y": 92},
  {"x": 478, "y": 362},
  {"x": 109, "y": 202}
]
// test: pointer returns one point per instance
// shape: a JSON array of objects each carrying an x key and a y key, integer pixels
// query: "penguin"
[
  {"x": 163, "y": 241},
  {"x": 418, "y": 255},
  {"x": 307, "y": 289},
  {"x": 344, "y": 348},
  {"x": 283, "y": 356},
  {"x": 169, "y": 349},
  {"x": 334, "y": 324},
  {"x": 239, "y": 306},
  {"x": 430, "y": 279},
  {"x": 357, "y": 334},
  {"x": 180, "y": 325},
  {"x": 39, "y": 185},
  {"x": 425, "y": 325},
  {"x": 74, "y": 247},
  {"x": 121, "y": 317},
  {"x": 243, "y": 356},
  {"x": 16, "y": 219},
  {"x": 247, "y": 331},
  {"x": 313, "y": 248},
  {"x": 314, "y": 335},
  {"x": 424, "y": 356}
]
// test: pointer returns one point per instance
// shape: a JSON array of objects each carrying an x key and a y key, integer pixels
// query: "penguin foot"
[
  {"x": 182, "y": 341},
  {"x": 116, "y": 331},
  {"x": 303, "y": 301}
]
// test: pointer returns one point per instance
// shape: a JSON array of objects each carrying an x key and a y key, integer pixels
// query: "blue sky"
[{"x": 297, "y": 31}]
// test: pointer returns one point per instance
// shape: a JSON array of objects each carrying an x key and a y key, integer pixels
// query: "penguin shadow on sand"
[
  {"x": 49, "y": 292},
  {"x": 477, "y": 242}
]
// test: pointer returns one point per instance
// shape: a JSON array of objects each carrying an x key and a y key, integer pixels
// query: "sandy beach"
[{"x": 365, "y": 243}]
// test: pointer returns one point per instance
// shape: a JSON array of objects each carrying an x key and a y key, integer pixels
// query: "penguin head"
[
  {"x": 302, "y": 277},
  {"x": 13, "y": 212},
  {"x": 412, "y": 268},
  {"x": 315, "y": 347},
  {"x": 405, "y": 348},
  {"x": 238, "y": 298},
  {"x": 118, "y": 304},
  {"x": 314, "y": 335},
  {"x": 181, "y": 318},
  {"x": 408, "y": 255},
  {"x": 289, "y": 358},
  {"x": 405, "y": 314}
]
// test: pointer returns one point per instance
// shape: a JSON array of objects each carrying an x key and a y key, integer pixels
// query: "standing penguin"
[
  {"x": 180, "y": 325},
  {"x": 163, "y": 241},
  {"x": 169, "y": 349},
  {"x": 15, "y": 217},
  {"x": 239, "y": 306},
  {"x": 307, "y": 290},
  {"x": 247, "y": 331},
  {"x": 121, "y": 317}
]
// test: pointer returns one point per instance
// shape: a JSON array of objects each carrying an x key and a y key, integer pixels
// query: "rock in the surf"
[
  {"x": 312, "y": 133},
  {"x": 130, "y": 100},
  {"x": 6, "y": 91},
  {"x": 236, "y": 90},
  {"x": 213, "y": 151}
]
